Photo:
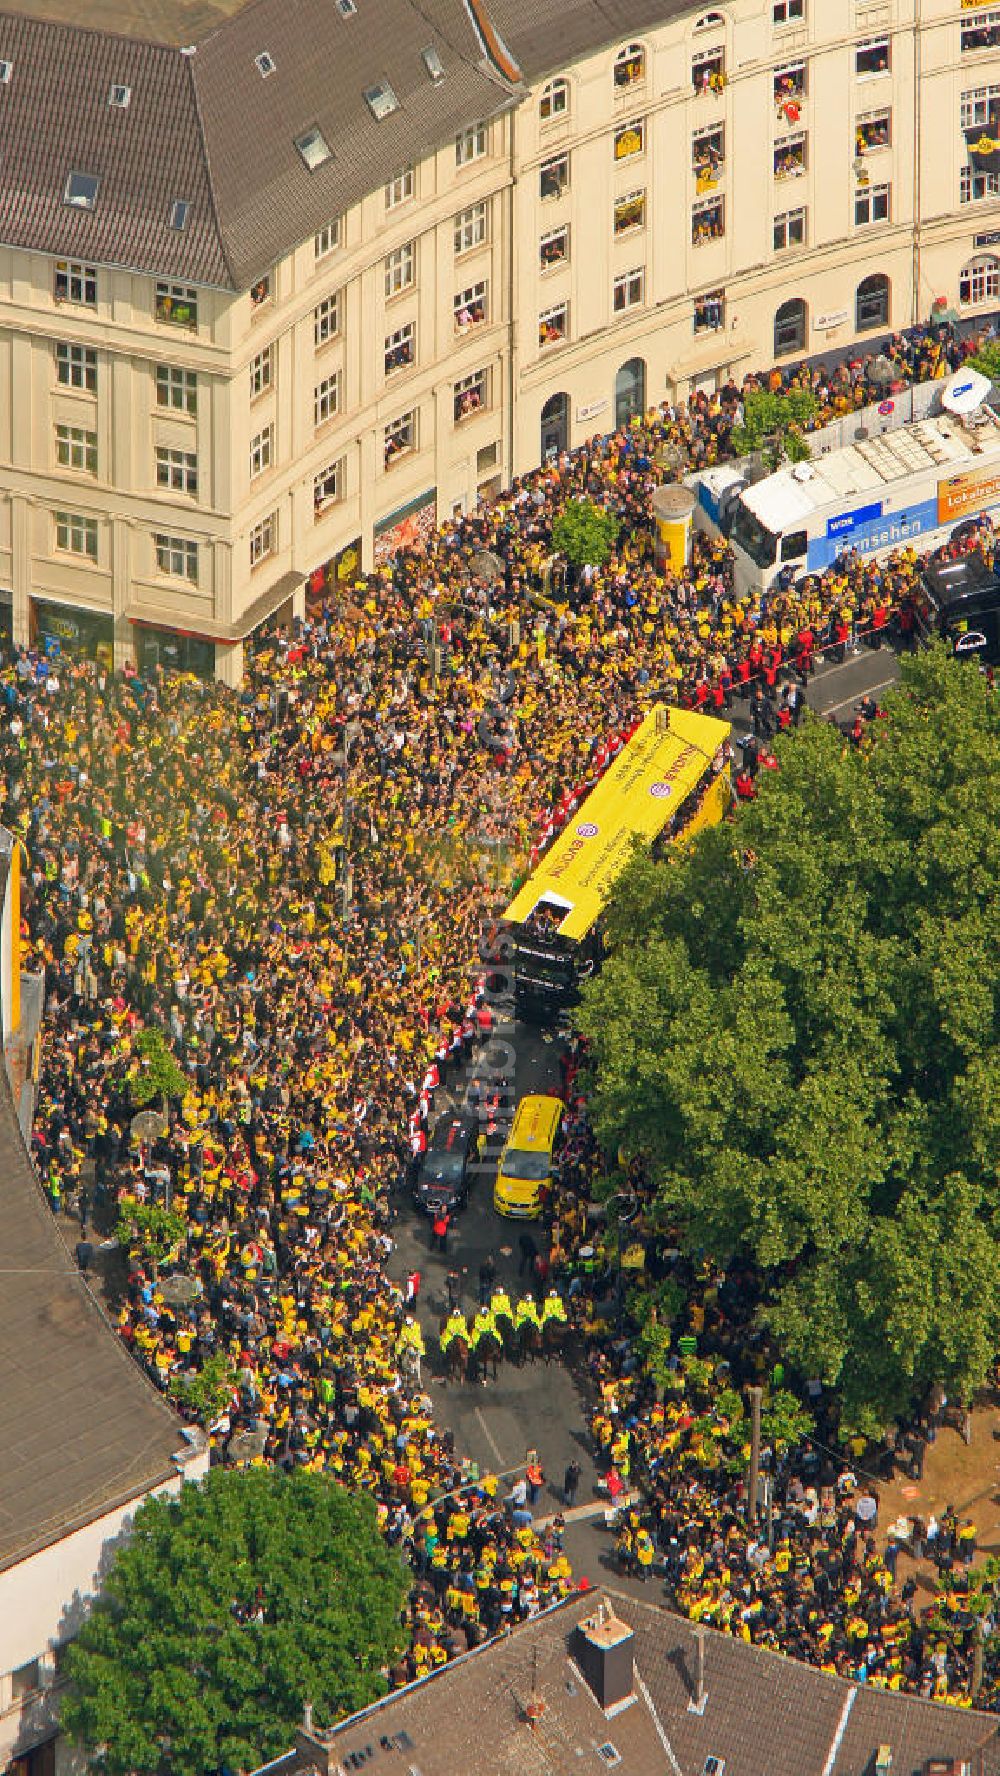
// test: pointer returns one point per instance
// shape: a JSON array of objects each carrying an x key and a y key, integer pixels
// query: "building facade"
[{"x": 259, "y": 326}]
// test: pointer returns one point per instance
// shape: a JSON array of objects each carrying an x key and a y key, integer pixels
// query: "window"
[
  {"x": 76, "y": 535},
  {"x": 553, "y": 176},
  {"x": 789, "y": 89},
  {"x": 470, "y": 307},
  {"x": 26, "y": 1680},
  {"x": 793, "y": 547},
  {"x": 979, "y": 281},
  {"x": 981, "y": 30},
  {"x": 630, "y": 65},
  {"x": 708, "y": 221},
  {"x": 76, "y": 282},
  {"x": 790, "y": 328},
  {"x": 433, "y": 63},
  {"x": 470, "y": 395},
  {"x": 401, "y": 188},
  {"x": 471, "y": 227},
  {"x": 401, "y": 348},
  {"x": 708, "y": 70},
  {"x": 470, "y": 144},
  {"x": 553, "y": 325},
  {"x": 399, "y": 270},
  {"x": 630, "y": 212},
  {"x": 177, "y": 304},
  {"x": 629, "y": 140},
  {"x": 708, "y": 21},
  {"x": 260, "y": 372},
  {"x": 872, "y": 56},
  {"x": 871, "y": 303},
  {"x": 177, "y": 219},
  {"x": 81, "y": 191},
  {"x": 973, "y": 187},
  {"x": 176, "y": 388},
  {"x": 790, "y": 158},
  {"x": 381, "y": 100},
  {"x": 400, "y": 436},
  {"x": 76, "y": 449},
  {"x": 871, "y": 204},
  {"x": 788, "y": 12},
  {"x": 326, "y": 320},
  {"x": 789, "y": 230},
  {"x": 265, "y": 63},
  {"x": 260, "y": 293},
  {"x": 873, "y": 130},
  {"x": 710, "y": 311},
  {"x": 261, "y": 451},
  {"x": 178, "y": 557},
  {"x": 263, "y": 538},
  {"x": 327, "y": 240},
  {"x": 327, "y": 486},
  {"x": 326, "y": 398},
  {"x": 177, "y": 469},
  {"x": 76, "y": 367},
  {"x": 553, "y": 248},
  {"x": 6, "y": 70},
  {"x": 313, "y": 147},
  {"x": 120, "y": 97},
  {"x": 629, "y": 290},
  {"x": 554, "y": 101},
  {"x": 708, "y": 155},
  {"x": 346, "y": 8},
  {"x": 980, "y": 107}
]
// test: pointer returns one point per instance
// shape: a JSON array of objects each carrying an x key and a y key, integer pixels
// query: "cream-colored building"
[{"x": 280, "y": 285}]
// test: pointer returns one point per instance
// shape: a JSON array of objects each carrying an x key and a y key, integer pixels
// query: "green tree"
[
  {"x": 157, "y": 1234},
  {"x": 774, "y": 424},
  {"x": 585, "y": 533},
  {"x": 228, "y": 1609},
  {"x": 987, "y": 359},
  {"x": 207, "y": 1391},
  {"x": 158, "y": 1075},
  {"x": 804, "y": 1049}
]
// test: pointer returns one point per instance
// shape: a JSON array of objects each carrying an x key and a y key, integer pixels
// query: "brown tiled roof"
[
  {"x": 205, "y": 127},
  {"x": 764, "y": 1715},
  {"x": 55, "y": 119},
  {"x": 83, "y": 1430},
  {"x": 547, "y": 35}
]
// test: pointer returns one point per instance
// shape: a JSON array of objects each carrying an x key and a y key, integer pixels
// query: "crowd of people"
[{"x": 289, "y": 883}]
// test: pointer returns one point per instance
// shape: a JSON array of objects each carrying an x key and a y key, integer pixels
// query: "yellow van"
[{"x": 526, "y": 1161}]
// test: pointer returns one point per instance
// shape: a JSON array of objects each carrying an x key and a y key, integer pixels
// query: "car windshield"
[
  {"x": 753, "y": 537},
  {"x": 441, "y": 1168},
  {"x": 530, "y": 1168}
]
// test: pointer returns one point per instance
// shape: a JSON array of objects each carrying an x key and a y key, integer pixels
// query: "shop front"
[
  {"x": 57, "y": 629},
  {"x": 336, "y": 575},
  {"x": 175, "y": 650}
]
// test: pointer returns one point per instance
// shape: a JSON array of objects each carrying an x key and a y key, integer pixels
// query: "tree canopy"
[
  {"x": 798, "y": 1028},
  {"x": 227, "y": 1610},
  {"x": 773, "y": 422},
  {"x": 585, "y": 533}
]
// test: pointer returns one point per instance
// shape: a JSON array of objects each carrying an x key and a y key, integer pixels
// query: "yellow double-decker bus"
[{"x": 668, "y": 781}]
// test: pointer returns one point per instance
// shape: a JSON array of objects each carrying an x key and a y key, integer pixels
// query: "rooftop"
[
  {"x": 84, "y": 1431},
  {"x": 521, "y": 1706},
  {"x": 175, "y": 22}
]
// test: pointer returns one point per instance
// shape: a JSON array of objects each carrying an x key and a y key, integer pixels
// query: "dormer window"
[
  {"x": 120, "y": 97},
  {"x": 81, "y": 190},
  {"x": 314, "y": 148},
  {"x": 179, "y": 212},
  {"x": 264, "y": 63},
  {"x": 381, "y": 100},
  {"x": 433, "y": 63},
  {"x": 6, "y": 70}
]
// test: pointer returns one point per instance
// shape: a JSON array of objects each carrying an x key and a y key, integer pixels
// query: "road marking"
[
  {"x": 488, "y": 1434},
  {"x": 858, "y": 697}
]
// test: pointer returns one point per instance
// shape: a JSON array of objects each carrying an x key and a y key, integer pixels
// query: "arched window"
[
  {"x": 630, "y": 65},
  {"x": 871, "y": 303},
  {"x": 630, "y": 391},
  {"x": 555, "y": 427},
  {"x": 979, "y": 281},
  {"x": 709, "y": 21},
  {"x": 790, "y": 325},
  {"x": 554, "y": 101}
]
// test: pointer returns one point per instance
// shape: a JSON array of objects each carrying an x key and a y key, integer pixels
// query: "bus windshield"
[{"x": 753, "y": 537}]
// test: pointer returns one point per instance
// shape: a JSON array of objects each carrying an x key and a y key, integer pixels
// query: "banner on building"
[{"x": 409, "y": 527}]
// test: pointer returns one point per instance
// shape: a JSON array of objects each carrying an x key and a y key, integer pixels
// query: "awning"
[{"x": 148, "y": 616}]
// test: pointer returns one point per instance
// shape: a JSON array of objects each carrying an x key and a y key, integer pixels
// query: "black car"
[{"x": 442, "y": 1179}]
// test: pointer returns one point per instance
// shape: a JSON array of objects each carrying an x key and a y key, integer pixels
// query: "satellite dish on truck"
[{"x": 965, "y": 391}]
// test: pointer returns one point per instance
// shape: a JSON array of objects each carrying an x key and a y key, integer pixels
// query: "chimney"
[
  {"x": 307, "y": 1717},
  {"x": 700, "y": 1697},
  {"x": 313, "y": 1747},
  {"x": 603, "y": 1649}
]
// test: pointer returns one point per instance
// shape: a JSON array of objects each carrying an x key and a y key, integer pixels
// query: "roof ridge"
[{"x": 207, "y": 158}]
